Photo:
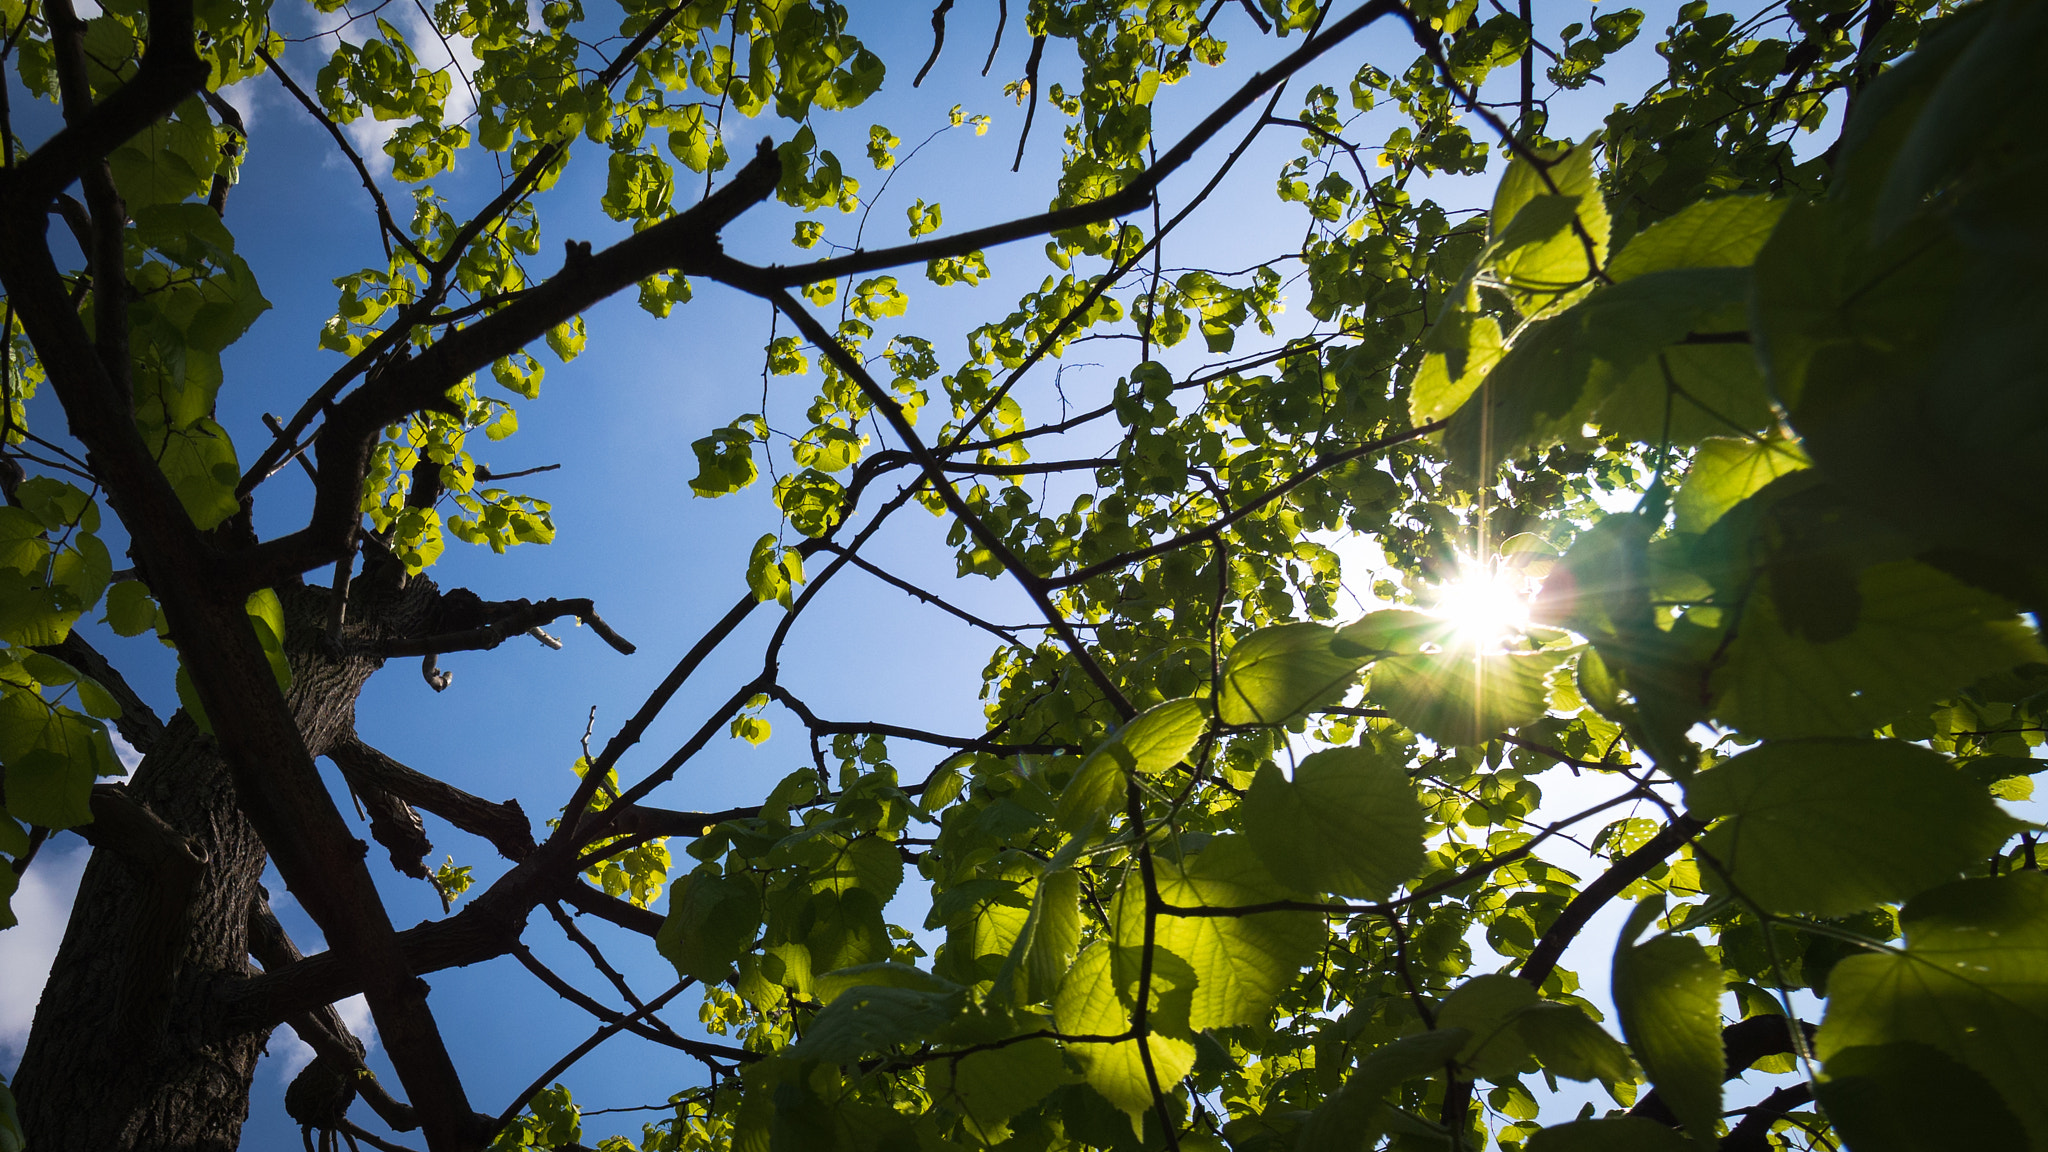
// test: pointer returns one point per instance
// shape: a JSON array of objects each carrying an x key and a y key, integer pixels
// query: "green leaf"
[
  {"x": 1921, "y": 634},
  {"x": 872, "y": 1018},
  {"x": 1488, "y": 1007},
  {"x": 1056, "y": 931},
  {"x": 868, "y": 862},
  {"x": 725, "y": 459},
  {"x": 52, "y": 755},
  {"x": 1829, "y": 827},
  {"x": 846, "y": 928},
  {"x": 1349, "y": 823},
  {"x": 1460, "y": 696},
  {"x": 711, "y": 920},
  {"x": 1152, "y": 742},
  {"x": 1355, "y": 1116},
  {"x": 1091, "y": 1002},
  {"x": 1667, "y": 992},
  {"x": 97, "y": 701},
  {"x": 1462, "y": 349},
  {"x": 1568, "y": 1043},
  {"x": 1278, "y": 673},
  {"x": 1605, "y": 361},
  {"x": 1904, "y": 1097},
  {"x": 1724, "y": 233},
  {"x": 1393, "y": 632},
  {"x": 1972, "y": 981},
  {"x": 199, "y": 461},
  {"x": 1241, "y": 963},
  {"x": 48, "y": 788},
  {"x": 885, "y": 974},
  {"x": 1976, "y": 101},
  {"x": 266, "y": 616},
  {"x": 1726, "y": 472},
  {"x": 1549, "y": 227},
  {"x": 1046, "y": 943},
  {"x": 987, "y": 1088},
  {"x": 1614, "y": 1134}
]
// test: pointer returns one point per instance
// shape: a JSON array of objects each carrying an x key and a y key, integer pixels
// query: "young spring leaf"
[
  {"x": 1152, "y": 742},
  {"x": 1461, "y": 696},
  {"x": 987, "y": 1088},
  {"x": 1355, "y": 1116},
  {"x": 1568, "y": 1043},
  {"x": 1489, "y": 1008},
  {"x": 875, "y": 1018},
  {"x": 1725, "y": 472},
  {"x": 1241, "y": 963},
  {"x": 1724, "y": 233},
  {"x": 1091, "y": 1003}
]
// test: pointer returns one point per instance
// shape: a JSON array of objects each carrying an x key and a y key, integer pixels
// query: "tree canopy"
[{"x": 1700, "y": 471}]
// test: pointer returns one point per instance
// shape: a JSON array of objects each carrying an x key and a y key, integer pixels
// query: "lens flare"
[{"x": 1486, "y": 604}]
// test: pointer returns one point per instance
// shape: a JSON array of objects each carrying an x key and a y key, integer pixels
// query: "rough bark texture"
[{"x": 106, "y": 1069}]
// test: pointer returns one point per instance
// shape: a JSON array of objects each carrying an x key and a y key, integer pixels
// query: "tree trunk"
[{"x": 118, "y": 1057}]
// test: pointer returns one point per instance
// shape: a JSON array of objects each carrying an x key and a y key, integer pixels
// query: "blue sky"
[{"x": 660, "y": 563}]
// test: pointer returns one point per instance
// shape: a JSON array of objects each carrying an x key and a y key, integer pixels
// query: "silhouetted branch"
[
  {"x": 514, "y": 618},
  {"x": 504, "y": 825},
  {"x": 1031, "y": 95},
  {"x": 938, "y": 40}
]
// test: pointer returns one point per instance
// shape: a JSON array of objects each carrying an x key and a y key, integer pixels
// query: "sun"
[{"x": 1486, "y": 604}]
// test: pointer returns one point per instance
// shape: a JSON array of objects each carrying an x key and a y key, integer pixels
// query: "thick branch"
[
  {"x": 1744, "y": 1043},
  {"x": 1753, "y": 1133},
  {"x": 489, "y": 927},
  {"x": 938, "y": 40},
  {"x": 171, "y": 70},
  {"x": 322, "y": 1028},
  {"x": 518, "y": 618},
  {"x": 1626, "y": 871},
  {"x": 633, "y": 918},
  {"x": 504, "y": 825},
  {"x": 423, "y": 310}
]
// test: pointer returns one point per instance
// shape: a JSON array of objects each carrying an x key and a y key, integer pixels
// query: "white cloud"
[
  {"x": 43, "y": 906},
  {"x": 291, "y": 1053},
  {"x": 242, "y": 97},
  {"x": 366, "y": 133},
  {"x": 123, "y": 750}
]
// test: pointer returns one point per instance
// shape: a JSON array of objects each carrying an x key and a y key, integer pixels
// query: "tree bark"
[{"x": 123, "y": 1054}]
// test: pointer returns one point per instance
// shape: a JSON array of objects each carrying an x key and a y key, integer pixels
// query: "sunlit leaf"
[
  {"x": 1667, "y": 992},
  {"x": 1348, "y": 822}
]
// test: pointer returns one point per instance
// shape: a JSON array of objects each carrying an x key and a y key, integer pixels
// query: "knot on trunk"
[{"x": 319, "y": 1096}]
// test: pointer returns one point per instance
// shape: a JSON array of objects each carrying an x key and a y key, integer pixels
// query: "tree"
[{"x": 1221, "y": 864}]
